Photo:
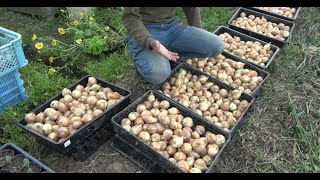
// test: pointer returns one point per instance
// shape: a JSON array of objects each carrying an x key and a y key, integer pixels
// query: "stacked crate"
[{"x": 11, "y": 59}]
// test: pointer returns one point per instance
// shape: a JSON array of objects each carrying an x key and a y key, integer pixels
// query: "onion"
[
  {"x": 53, "y": 114},
  {"x": 164, "y": 104},
  {"x": 155, "y": 137},
  {"x": 46, "y": 129},
  {"x": 135, "y": 130},
  {"x": 149, "y": 119},
  {"x": 151, "y": 98},
  {"x": 163, "y": 119},
  {"x": 220, "y": 140},
  {"x": 62, "y": 107},
  {"x": 155, "y": 104},
  {"x": 111, "y": 103},
  {"x": 95, "y": 87},
  {"x": 30, "y": 117},
  {"x": 195, "y": 170},
  {"x": 190, "y": 161},
  {"x": 97, "y": 112},
  {"x": 76, "y": 94},
  {"x": 180, "y": 156},
  {"x": 195, "y": 135},
  {"x": 171, "y": 150},
  {"x": 92, "y": 100},
  {"x": 54, "y": 104},
  {"x": 144, "y": 113},
  {"x": 102, "y": 104},
  {"x": 207, "y": 159},
  {"x": 66, "y": 91},
  {"x": 177, "y": 141},
  {"x": 167, "y": 134},
  {"x": 76, "y": 124},
  {"x": 183, "y": 165},
  {"x": 40, "y": 117},
  {"x": 101, "y": 95},
  {"x": 92, "y": 80},
  {"x": 172, "y": 160},
  {"x": 173, "y": 125},
  {"x": 194, "y": 155},
  {"x": 149, "y": 104},
  {"x": 55, "y": 128},
  {"x": 53, "y": 136},
  {"x": 144, "y": 136},
  {"x": 141, "y": 107},
  {"x": 160, "y": 128},
  {"x": 62, "y": 132},
  {"x": 200, "y": 129},
  {"x": 127, "y": 127},
  {"x": 92, "y": 93},
  {"x": 201, "y": 164},
  {"x": 87, "y": 118},
  {"x": 211, "y": 138},
  {"x": 80, "y": 88},
  {"x": 64, "y": 121},
  {"x": 77, "y": 111},
  {"x": 213, "y": 150},
  {"x": 186, "y": 148},
  {"x": 199, "y": 146},
  {"x": 150, "y": 128},
  {"x": 164, "y": 154},
  {"x": 187, "y": 122}
]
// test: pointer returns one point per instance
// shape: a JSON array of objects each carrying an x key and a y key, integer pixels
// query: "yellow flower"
[
  {"x": 54, "y": 42},
  {"x": 81, "y": 14},
  {"x": 79, "y": 41},
  {"x": 70, "y": 15},
  {"x": 105, "y": 37},
  {"x": 61, "y": 10},
  {"x": 75, "y": 23},
  {"x": 107, "y": 28},
  {"x": 61, "y": 30},
  {"x": 34, "y": 37},
  {"x": 51, "y": 70},
  {"x": 91, "y": 18},
  {"x": 51, "y": 59},
  {"x": 39, "y": 45}
]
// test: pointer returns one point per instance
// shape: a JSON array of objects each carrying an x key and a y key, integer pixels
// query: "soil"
[{"x": 35, "y": 168}]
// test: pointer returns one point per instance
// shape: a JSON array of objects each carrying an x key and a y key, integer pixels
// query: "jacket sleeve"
[
  {"x": 193, "y": 16},
  {"x": 133, "y": 23}
]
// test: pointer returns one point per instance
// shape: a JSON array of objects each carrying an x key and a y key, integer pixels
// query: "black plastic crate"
[
  {"x": 19, "y": 151},
  {"x": 247, "y": 65},
  {"x": 160, "y": 163},
  {"x": 244, "y": 37},
  {"x": 277, "y": 15},
  {"x": 216, "y": 81},
  {"x": 65, "y": 145},
  {"x": 262, "y": 37},
  {"x": 92, "y": 142}
]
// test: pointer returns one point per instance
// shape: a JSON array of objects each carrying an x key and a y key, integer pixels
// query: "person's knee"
[
  {"x": 154, "y": 69},
  {"x": 215, "y": 48},
  {"x": 160, "y": 74}
]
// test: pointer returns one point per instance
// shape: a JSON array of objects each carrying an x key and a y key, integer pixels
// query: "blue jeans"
[{"x": 187, "y": 41}]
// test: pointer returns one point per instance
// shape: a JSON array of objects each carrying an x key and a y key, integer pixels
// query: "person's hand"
[{"x": 160, "y": 49}]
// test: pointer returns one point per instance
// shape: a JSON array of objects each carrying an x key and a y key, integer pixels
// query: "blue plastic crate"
[
  {"x": 11, "y": 53},
  {"x": 12, "y": 91}
]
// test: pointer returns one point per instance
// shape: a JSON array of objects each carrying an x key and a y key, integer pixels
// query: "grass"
[{"x": 280, "y": 134}]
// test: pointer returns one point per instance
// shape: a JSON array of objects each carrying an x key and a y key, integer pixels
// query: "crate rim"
[
  {"x": 82, "y": 127},
  {"x": 180, "y": 107}
]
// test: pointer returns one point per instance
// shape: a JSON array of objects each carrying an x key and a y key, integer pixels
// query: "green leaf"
[
  {"x": 8, "y": 158},
  {"x": 29, "y": 170},
  {"x": 26, "y": 161}
]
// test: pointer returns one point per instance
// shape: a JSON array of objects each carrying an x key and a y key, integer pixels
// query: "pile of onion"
[
  {"x": 217, "y": 105},
  {"x": 77, "y": 108},
  {"x": 228, "y": 71},
  {"x": 283, "y": 11},
  {"x": 262, "y": 26},
  {"x": 252, "y": 51},
  {"x": 184, "y": 143}
]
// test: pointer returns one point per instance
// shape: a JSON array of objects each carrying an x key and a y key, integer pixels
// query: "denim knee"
[
  {"x": 159, "y": 75},
  {"x": 215, "y": 48}
]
